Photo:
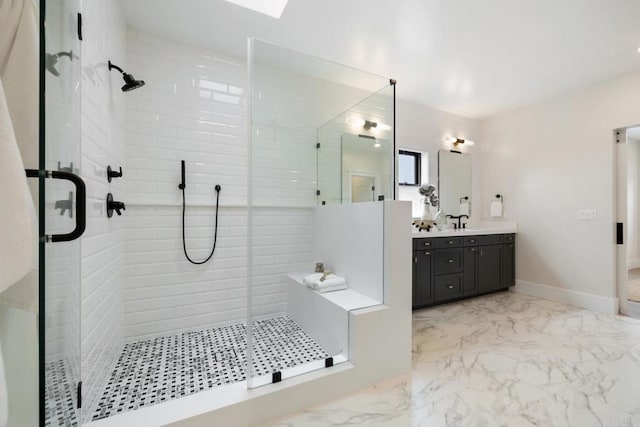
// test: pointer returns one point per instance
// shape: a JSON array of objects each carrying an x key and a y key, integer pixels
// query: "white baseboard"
[
  {"x": 567, "y": 296},
  {"x": 633, "y": 263}
]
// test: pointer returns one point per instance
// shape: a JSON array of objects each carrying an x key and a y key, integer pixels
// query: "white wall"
[
  {"x": 550, "y": 160},
  {"x": 103, "y": 119},
  {"x": 633, "y": 200},
  {"x": 420, "y": 128},
  {"x": 192, "y": 108},
  {"x": 349, "y": 240}
]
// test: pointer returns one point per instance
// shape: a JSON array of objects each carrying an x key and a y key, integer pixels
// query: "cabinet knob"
[
  {"x": 427, "y": 244},
  {"x": 427, "y": 253},
  {"x": 451, "y": 242},
  {"x": 450, "y": 261},
  {"x": 472, "y": 250},
  {"x": 450, "y": 286},
  {"x": 472, "y": 241},
  {"x": 415, "y": 259}
]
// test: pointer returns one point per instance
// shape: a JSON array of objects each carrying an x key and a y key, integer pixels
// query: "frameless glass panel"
[
  {"x": 61, "y": 151},
  {"x": 355, "y": 153},
  {"x": 293, "y": 326}
]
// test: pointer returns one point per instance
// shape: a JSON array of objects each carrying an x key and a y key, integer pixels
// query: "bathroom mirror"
[
  {"x": 454, "y": 180},
  {"x": 366, "y": 170}
]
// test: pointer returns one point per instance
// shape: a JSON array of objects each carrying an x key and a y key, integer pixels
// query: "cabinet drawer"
[
  {"x": 508, "y": 238},
  {"x": 448, "y": 242},
  {"x": 419, "y": 244},
  {"x": 490, "y": 239},
  {"x": 470, "y": 240},
  {"x": 447, "y": 261},
  {"x": 448, "y": 286}
]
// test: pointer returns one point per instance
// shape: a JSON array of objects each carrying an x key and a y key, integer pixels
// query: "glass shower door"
[{"x": 61, "y": 209}]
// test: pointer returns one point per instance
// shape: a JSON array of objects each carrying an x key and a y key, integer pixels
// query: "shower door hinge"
[
  {"x": 79, "y": 26},
  {"x": 79, "y": 396},
  {"x": 317, "y": 145}
]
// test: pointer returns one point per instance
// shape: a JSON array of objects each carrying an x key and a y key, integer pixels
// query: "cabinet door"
[
  {"x": 423, "y": 272},
  {"x": 470, "y": 286},
  {"x": 489, "y": 268},
  {"x": 508, "y": 265}
]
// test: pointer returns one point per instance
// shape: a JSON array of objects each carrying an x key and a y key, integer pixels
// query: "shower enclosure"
[{"x": 127, "y": 321}]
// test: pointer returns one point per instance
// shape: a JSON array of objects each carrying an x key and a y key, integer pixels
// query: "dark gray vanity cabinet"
[
  {"x": 489, "y": 272},
  {"x": 447, "y": 269},
  {"x": 422, "y": 277}
]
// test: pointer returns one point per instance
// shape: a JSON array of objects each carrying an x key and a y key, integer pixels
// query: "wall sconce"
[
  {"x": 368, "y": 124},
  {"x": 459, "y": 141}
]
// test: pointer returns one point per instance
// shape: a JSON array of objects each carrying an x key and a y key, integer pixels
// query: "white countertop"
[{"x": 464, "y": 232}]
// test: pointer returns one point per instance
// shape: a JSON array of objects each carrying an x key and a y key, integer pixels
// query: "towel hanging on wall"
[
  {"x": 18, "y": 146},
  {"x": 17, "y": 215},
  {"x": 495, "y": 207}
]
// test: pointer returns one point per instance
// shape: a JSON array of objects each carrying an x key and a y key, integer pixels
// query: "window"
[{"x": 408, "y": 168}]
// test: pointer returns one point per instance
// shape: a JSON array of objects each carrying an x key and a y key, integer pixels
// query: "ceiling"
[{"x": 469, "y": 57}]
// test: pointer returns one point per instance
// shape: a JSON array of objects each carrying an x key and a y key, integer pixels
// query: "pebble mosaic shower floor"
[{"x": 164, "y": 368}]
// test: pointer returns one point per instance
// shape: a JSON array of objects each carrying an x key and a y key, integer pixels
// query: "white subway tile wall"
[
  {"x": 103, "y": 127},
  {"x": 194, "y": 108}
]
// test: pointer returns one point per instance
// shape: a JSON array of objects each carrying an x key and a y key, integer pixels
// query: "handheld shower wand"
[
  {"x": 182, "y": 187},
  {"x": 182, "y": 183}
]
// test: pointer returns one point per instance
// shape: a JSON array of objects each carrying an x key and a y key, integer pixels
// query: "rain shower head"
[{"x": 130, "y": 83}]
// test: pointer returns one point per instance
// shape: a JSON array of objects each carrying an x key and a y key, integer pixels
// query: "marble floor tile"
[
  {"x": 633, "y": 285},
  {"x": 503, "y": 360}
]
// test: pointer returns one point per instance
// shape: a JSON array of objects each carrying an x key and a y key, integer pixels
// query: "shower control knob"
[
  {"x": 114, "y": 205},
  {"x": 113, "y": 174}
]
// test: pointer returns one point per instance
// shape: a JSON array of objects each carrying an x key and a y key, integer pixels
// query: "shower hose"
[{"x": 215, "y": 232}]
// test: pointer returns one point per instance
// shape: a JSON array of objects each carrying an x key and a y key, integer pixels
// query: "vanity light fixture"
[
  {"x": 367, "y": 124},
  {"x": 459, "y": 141}
]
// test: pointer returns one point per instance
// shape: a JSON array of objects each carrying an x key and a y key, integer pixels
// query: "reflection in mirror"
[
  {"x": 355, "y": 152},
  {"x": 366, "y": 170},
  {"x": 454, "y": 182},
  {"x": 632, "y": 240}
]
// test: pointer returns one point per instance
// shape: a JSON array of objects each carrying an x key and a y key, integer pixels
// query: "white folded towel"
[
  {"x": 495, "y": 209},
  {"x": 331, "y": 283},
  {"x": 331, "y": 288},
  {"x": 465, "y": 208},
  {"x": 18, "y": 148}
]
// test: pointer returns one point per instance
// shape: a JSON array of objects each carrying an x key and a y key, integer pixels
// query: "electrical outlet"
[{"x": 587, "y": 215}]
